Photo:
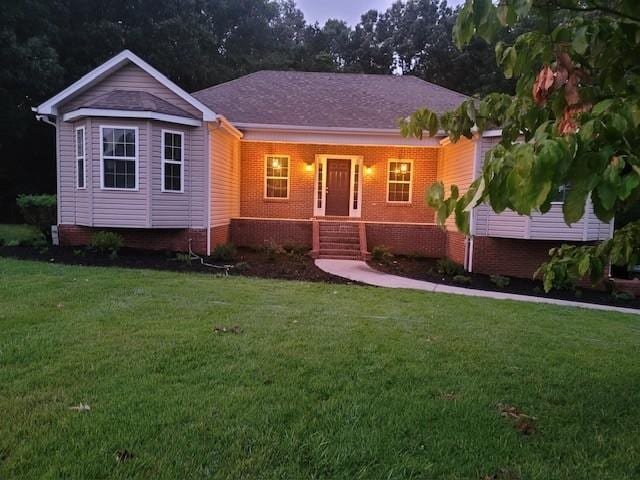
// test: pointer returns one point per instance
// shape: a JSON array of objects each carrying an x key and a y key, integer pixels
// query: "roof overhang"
[
  {"x": 50, "y": 107},
  {"x": 330, "y": 135},
  {"x": 146, "y": 114}
]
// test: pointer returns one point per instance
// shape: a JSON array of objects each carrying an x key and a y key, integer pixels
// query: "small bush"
[
  {"x": 500, "y": 281},
  {"x": 622, "y": 296},
  {"x": 294, "y": 250},
  {"x": 107, "y": 242},
  {"x": 21, "y": 235},
  {"x": 241, "y": 266},
  {"x": 183, "y": 258},
  {"x": 381, "y": 254},
  {"x": 448, "y": 267},
  {"x": 462, "y": 280},
  {"x": 38, "y": 210},
  {"x": 272, "y": 249},
  {"x": 225, "y": 252}
]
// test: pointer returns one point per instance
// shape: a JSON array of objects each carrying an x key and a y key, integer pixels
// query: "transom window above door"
[
  {"x": 399, "y": 181},
  {"x": 276, "y": 176},
  {"x": 119, "y": 157}
]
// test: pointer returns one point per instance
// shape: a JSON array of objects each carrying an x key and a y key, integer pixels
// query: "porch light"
[
  {"x": 309, "y": 167},
  {"x": 368, "y": 170}
]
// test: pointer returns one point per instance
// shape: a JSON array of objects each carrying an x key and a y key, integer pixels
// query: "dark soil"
[
  {"x": 425, "y": 269},
  {"x": 252, "y": 263}
]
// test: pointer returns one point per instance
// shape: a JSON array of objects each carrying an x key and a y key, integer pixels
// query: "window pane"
[
  {"x": 119, "y": 173},
  {"x": 172, "y": 176},
  {"x": 80, "y": 173},
  {"x": 276, "y": 188},
  {"x": 80, "y": 143},
  {"x": 130, "y": 150}
]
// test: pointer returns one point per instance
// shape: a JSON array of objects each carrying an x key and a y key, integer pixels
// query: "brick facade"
[
  {"x": 455, "y": 247},
  {"x": 425, "y": 240},
  {"x": 257, "y": 232},
  {"x": 510, "y": 257},
  {"x": 302, "y": 182},
  {"x": 176, "y": 240}
]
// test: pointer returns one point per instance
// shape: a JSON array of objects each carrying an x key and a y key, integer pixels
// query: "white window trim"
[
  {"x": 288, "y": 176},
  {"x": 82, "y": 157},
  {"x": 412, "y": 173},
  {"x": 165, "y": 161},
  {"x": 322, "y": 160},
  {"x": 136, "y": 158}
]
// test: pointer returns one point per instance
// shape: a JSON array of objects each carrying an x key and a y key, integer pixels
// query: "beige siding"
[
  {"x": 225, "y": 176},
  {"x": 455, "y": 167},
  {"x": 130, "y": 77},
  {"x": 550, "y": 226}
]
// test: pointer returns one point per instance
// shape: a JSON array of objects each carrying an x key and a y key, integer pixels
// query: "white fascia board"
[
  {"x": 95, "y": 75},
  {"x": 319, "y": 129},
  {"x": 98, "y": 112}
]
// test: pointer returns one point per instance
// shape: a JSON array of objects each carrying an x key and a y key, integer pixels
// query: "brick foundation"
[
  {"x": 425, "y": 240},
  {"x": 257, "y": 232},
  {"x": 219, "y": 235},
  {"x": 176, "y": 240},
  {"x": 510, "y": 257},
  {"x": 455, "y": 247}
]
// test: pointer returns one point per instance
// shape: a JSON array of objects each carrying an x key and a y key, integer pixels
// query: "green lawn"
[
  {"x": 325, "y": 381},
  {"x": 16, "y": 234}
]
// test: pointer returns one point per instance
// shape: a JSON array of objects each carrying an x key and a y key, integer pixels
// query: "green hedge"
[{"x": 39, "y": 210}]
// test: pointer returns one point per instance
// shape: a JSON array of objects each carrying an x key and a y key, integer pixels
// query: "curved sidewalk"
[{"x": 359, "y": 271}]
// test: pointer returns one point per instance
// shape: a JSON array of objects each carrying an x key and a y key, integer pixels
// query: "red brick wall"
[
  {"x": 374, "y": 186},
  {"x": 455, "y": 247},
  {"x": 176, "y": 240},
  {"x": 426, "y": 240},
  {"x": 220, "y": 234},
  {"x": 252, "y": 233},
  {"x": 510, "y": 257}
]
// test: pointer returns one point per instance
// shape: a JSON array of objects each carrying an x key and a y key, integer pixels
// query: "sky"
[{"x": 347, "y": 10}]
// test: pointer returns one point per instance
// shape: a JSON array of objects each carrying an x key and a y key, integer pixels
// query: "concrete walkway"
[{"x": 359, "y": 271}]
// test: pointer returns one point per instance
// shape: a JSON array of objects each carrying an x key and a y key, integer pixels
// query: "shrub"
[
  {"x": 272, "y": 249},
  {"x": 225, "y": 252},
  {"x": 183, "y": 258},
  {"x": 622, "y": 296},
  {"x": 294, "y": 250},
  {"x": 107, "y": 242},
  {"x": 21, "y": 235},
  {"x": 381, "y": 254},
  {"x": 448, "y": 267},
  {"x": 241, "y": 266},
  {"x": 38, "y": 210},
  {"x": 500, "y": 281},
  {"x": 462, "y": 279}
]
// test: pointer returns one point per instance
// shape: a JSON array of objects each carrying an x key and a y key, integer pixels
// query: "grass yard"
[
  {"x": 323, "y": 381},
  {"x": 16, "y": 234}
]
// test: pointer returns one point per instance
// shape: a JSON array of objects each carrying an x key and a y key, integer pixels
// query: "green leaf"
[
  {"x": 574, "y": 204},
  {"x": 435, "y": 195},
  {"x": 580, "y": 43},
  {"x": 602, "y": 106}
]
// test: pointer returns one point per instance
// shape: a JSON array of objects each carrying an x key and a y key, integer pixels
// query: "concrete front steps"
[{"x": 339, "y": 240}]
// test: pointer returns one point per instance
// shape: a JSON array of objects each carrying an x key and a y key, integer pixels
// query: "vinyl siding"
[
  {"x": 550, "y": 226},
  {"x": 225, "y": 176},
  {"x": 455, "y": 167},
  {"x": 129, "y": 77},
  {"x": 148, "y": 206}
]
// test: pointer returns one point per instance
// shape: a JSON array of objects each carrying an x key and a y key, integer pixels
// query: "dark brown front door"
[{"x": 338, "y": 186}]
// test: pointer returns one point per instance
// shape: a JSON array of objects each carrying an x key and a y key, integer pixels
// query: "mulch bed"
[
  {"x": 425, "y": 269},
  {"x": 252, "y": 263}
]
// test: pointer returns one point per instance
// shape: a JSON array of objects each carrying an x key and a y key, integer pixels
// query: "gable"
[{"x": 130, "y": 77}]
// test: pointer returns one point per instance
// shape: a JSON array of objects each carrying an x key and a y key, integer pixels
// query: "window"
[
  {"x": 319, "y": 186},
  {"x": 561, "y": 194},
  {"x": 172, "y": 161},
  {"x": 119, "y": 157},
  {"x": 356, "y": 181},
  {"x": 276, "y": 176},
  {"x": 399, "y": 181},
  {"x": 80, "y": 158}
]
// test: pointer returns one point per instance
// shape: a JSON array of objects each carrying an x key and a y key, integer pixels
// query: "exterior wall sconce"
[
  {"x": 309, "y": 167},
  {"x": 368, "y": 170}
]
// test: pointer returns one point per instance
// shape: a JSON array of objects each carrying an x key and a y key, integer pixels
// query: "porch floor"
[{"x": 359, "y": 271}]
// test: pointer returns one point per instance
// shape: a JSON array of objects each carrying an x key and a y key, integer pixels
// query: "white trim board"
[
  {"x": 146, "y": 114},
  {"x": 49, "y": 107}
]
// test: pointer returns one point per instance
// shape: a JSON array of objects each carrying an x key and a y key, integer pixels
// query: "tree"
[{"x": 573, "y": 121}]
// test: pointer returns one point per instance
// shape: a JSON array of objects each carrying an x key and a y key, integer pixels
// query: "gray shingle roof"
[
  {"x": 135, "y": 101},
  {"x": 325, "y": 99}
]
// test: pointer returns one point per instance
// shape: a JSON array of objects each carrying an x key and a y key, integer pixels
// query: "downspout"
[
  {"x": 472, "y": 226},
  {"x": 47, "y": 120}
]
